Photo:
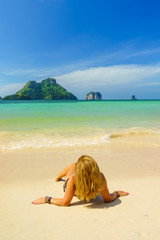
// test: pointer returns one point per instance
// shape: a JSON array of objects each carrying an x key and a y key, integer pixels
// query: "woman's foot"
[{"x": 122, "y": 193}]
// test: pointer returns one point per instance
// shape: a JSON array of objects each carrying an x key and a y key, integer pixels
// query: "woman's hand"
[
  {"x": 56, "y": 179},
  {"x": 39, "y": 201},
  {"x": 121, "y": 193}
]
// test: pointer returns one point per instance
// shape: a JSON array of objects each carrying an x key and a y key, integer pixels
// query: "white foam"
[
  {"x": 48, "y": 139},
  {"x": 54, "y": 142}
]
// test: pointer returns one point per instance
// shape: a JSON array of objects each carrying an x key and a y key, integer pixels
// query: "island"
[
  {"x": 94, "y": 96},
  {"x": 133, "y": 98},
  {"x": 47, "y": 89}
]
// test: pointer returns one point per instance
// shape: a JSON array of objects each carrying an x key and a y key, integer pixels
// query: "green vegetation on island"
[
  {"x": 47, "y": 89},
  {"x": 17, "y": 97}
]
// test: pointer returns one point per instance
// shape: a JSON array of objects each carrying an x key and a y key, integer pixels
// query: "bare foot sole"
[{"x": 122, "y": 193}]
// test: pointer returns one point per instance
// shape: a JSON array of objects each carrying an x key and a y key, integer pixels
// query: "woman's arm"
[
  {"x": 109, "y": 197},
  {"x": 70, "y": 168},
  {"x": 61, "y": 201}
]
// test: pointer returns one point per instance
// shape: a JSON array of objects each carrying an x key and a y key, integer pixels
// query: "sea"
[{"x": 58, "y": 124}]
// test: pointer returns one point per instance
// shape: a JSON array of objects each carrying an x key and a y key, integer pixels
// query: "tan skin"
[{"x": 68, "y": 172}]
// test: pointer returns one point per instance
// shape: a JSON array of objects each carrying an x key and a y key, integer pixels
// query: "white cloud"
[
  {"x": 20, "y": 72},
  {"x": 142, "y": 53},
  {"x": 149, "y": 84},
  {"x": 10, "y": 88},
  {"x": 110, "y": 76},
  {"x": 113, "y": 77},
  {"x": 85, "y": 65}
]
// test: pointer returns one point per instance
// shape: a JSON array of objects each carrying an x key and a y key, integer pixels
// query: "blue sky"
[{"x": 99, "y": 45}]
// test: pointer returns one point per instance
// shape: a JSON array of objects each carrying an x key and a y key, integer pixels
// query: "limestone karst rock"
[{"x": 94, "y": 96}]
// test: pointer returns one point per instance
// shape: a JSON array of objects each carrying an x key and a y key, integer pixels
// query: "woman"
[{"x": 85, "y": 180}]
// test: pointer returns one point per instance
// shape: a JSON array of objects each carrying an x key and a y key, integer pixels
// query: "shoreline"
[
  {"x": 43, "y": 140},
  {"x": 78, "y": 100}
]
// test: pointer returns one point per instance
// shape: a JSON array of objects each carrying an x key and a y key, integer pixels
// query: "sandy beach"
[
  {"x": 28, "y": 174},
  {"x": 79, "y": 78}
]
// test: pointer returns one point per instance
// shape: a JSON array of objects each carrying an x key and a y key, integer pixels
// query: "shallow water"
[{"x": 38, "y": 124}]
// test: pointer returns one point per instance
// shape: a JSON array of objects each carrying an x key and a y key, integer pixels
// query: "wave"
[
  {"x": 53, "y": 143},
  {"x": 19, "y": 140},
  {"x": 134, "y": 132}
]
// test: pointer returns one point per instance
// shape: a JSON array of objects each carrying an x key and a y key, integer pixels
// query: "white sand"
[{"x": 26, "y": 175}]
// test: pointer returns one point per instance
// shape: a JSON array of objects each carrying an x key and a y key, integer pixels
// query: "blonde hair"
[{"x": 88, "y": 178}]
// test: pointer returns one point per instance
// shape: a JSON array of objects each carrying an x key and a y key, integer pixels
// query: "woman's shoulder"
[
  {"x": 73, "y": 168},
  {"x": 103, "y": 177},
  {"x": 72, "y": 165}
]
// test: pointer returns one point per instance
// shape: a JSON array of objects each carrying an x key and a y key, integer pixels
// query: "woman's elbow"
[
  {"x": 66, "y": 203},
  {"x": 108, "y": 200}
]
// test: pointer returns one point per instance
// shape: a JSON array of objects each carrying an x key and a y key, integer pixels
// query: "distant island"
[
  {"x": 94, "y": 96},
  {"x": 133, "y": 97},
  {"x": 47, "y": 89}
]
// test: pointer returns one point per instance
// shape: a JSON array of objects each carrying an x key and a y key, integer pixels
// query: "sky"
[{"x": 96, "y": 45}]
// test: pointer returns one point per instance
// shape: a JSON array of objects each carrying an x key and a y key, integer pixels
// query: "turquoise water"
[{"x": 57, "y": 123}]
